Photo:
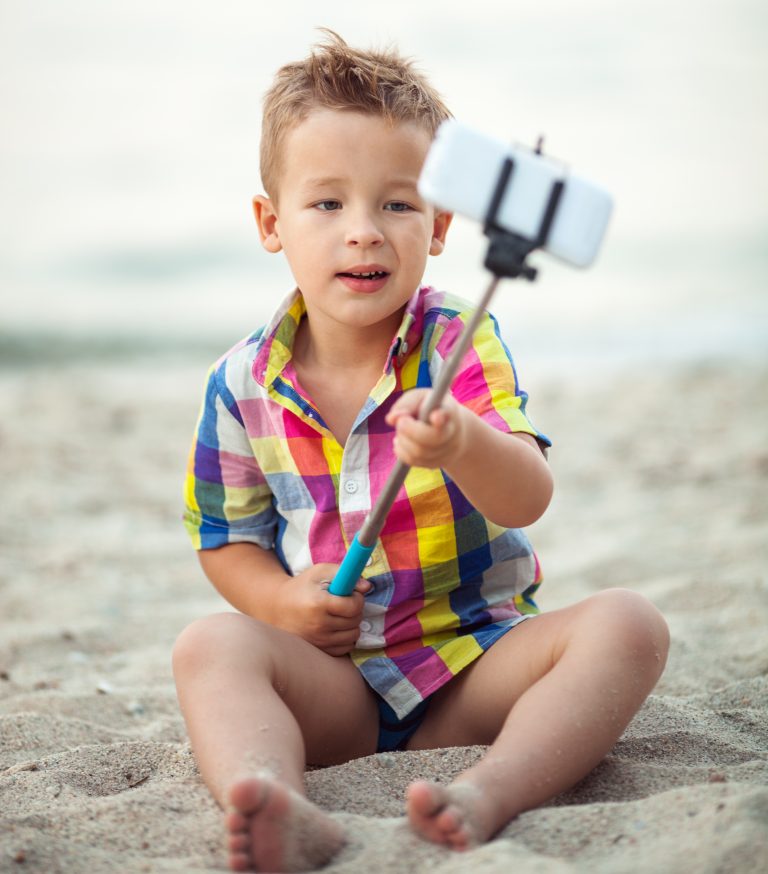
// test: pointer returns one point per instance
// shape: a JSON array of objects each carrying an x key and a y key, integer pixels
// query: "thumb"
[{"x": 408, "y": 404}]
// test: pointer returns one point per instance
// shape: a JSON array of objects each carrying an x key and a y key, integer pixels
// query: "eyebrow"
[
  {"x": 324, "y": 181},
  {"x": 321, "y": 181}
]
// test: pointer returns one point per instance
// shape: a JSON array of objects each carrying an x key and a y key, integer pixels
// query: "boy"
[{"x": 300, "y": 426}]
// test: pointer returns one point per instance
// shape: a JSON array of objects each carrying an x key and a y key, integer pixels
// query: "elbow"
[
  {"x": 540, "y": 505},
  {"x": 529, "y": 505}
]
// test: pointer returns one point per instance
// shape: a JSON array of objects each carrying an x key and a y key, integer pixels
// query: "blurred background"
[{"x": 129, "y": 157}]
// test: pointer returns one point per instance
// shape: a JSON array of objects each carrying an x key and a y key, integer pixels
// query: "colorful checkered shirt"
[{"x": 265, "y": 469}]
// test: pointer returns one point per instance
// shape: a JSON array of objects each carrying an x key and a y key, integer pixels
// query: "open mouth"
[{"x": 375, "y": 274}]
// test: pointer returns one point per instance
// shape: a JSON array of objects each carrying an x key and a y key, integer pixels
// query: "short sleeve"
[
  {"x": 227, "y": 499},
  {"x": 486, "y": 381}
]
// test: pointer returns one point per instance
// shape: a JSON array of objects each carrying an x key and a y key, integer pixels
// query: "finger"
[
  {"x": 346, "y": 606},
  {"x": 338, "y": 651},
  {"x": 337, "y": 624},
  {"x": 340, "y": 644},
  {"x": 416, "y": 449},
  {"x": 415, "y": 455},
  {"x": 439, "y": 418},
  {"x": 408, "y": 404},
  {"x": 424, "y": 433}
]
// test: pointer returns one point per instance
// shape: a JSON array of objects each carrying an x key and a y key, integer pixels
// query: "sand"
[{"x": 664, "y": 491}]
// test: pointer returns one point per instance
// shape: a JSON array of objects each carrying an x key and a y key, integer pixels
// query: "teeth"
[{"x": 368, "y": 275}]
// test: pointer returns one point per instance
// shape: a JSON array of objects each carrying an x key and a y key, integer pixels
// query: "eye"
[
  {"x": 327, "y": 205},
  {"x": 398, "y": 206}
]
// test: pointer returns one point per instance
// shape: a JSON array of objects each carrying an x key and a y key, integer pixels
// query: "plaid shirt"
[{"x": 265, "y": 469}]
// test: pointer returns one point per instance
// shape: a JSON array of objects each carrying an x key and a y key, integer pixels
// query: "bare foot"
[
  {"x": 273, "y": 828},
  {"x": 457, "y": 816}
]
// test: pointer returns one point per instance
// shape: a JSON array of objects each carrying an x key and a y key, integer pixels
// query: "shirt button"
[
  {"x": 365, "y": 625},
  {"x": 350, "y": 487}
]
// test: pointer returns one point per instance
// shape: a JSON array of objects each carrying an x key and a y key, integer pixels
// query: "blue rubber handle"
[{"x": 351, "y": 568}]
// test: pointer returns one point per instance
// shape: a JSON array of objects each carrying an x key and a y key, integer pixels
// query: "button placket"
[{"x": 353, "y": 491}]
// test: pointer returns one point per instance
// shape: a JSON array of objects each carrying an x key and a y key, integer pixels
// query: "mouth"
[
  {"x": 366, "y": 279},
  {"x": 368, "y": 274}
]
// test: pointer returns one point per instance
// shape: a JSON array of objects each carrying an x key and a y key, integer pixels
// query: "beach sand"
[{"x": 662, "y": 486}]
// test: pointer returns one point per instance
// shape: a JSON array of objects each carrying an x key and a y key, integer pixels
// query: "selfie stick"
[{"x": 505, "y": 258}]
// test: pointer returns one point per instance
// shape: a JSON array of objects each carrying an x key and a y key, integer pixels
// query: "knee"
[
  {"x": 211, "y": 640},
  {"x": 636, "y": 627}
]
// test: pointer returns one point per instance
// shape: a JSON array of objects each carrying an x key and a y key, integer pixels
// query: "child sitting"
[{"x": 440, "y": 644}]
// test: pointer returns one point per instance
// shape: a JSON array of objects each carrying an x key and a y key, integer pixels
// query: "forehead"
[{"x": 345, "y": 144}]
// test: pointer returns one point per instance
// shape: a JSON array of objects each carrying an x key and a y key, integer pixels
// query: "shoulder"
[
  {"x": 445, "y": 316},
  {"x": 442, "y": 306},
  {"x": 231, "y": 375}
]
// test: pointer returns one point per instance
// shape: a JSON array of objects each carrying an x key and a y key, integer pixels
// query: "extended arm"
[{"x": 505, "y": 476}]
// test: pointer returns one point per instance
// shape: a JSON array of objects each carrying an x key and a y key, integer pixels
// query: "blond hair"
[{"x": 337, "y": 76}]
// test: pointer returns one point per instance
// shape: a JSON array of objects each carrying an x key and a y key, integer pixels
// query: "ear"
[
  {"x": 440, "y": 227},
  {"x": 266, "y": 221}
]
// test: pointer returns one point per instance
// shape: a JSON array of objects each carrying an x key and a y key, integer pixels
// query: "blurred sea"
[{"x": 129, "y": 156}]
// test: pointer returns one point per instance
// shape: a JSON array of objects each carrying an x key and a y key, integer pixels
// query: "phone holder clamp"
[{"x": 507, "y": 252}]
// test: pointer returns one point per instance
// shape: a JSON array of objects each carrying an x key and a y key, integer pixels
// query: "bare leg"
[
  {"x": 258, "y": 703},
  {"x": 559, "y": 690}
]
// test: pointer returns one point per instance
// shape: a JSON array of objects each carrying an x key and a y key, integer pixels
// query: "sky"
[{"x": 131, "y": 156}]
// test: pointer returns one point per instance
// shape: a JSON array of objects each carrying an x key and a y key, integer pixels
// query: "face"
[{"x": 350, "y": 220}]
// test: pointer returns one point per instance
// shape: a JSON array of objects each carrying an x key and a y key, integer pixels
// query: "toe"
[
  {"x": 426, "y": 799},
  {"x": 449, "y": 820},
  {"x": 239, "y": 843},
  {"x": 459, "y": 840},
  {"x": 236, "y": 822},
  {"x": 248, "y": 796},
  {"x": 240, "y": 862}
]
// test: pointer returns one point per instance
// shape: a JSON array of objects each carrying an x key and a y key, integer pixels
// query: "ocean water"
[{"x": 129, "y": 157}]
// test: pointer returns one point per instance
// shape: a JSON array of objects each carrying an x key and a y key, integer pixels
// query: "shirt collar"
[
  {"x": 275, "y": 346},
  {"x": 409, "y": 332}
]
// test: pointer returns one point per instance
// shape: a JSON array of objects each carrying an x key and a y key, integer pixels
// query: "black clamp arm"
[{"x": 507, "y": 251}]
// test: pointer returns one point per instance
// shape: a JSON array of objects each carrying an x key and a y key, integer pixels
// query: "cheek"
[
  {"x": 416, "y": 241},
  {"x": 303, "y": 246}
]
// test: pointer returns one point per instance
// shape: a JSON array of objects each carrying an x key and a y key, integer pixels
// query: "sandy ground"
[{"x": 665, "y": 491}]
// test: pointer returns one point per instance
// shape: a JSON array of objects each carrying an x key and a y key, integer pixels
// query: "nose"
[{"x": 363, "y": 230}]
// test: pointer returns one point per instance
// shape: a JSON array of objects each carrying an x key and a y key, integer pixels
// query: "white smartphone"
[{"x": 461, "y": 174}]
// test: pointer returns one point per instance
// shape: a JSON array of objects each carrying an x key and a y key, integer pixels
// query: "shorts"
[{"x": 393, "y": 732}]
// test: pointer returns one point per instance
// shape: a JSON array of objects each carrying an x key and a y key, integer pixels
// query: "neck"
[{"x": 345, "y": 347}]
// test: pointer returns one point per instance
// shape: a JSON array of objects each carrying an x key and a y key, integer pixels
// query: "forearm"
[
  {"x": 253, "y": 580},
  {"x": 249, "y": 577},
  {"x": 505, "y": 476}
]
